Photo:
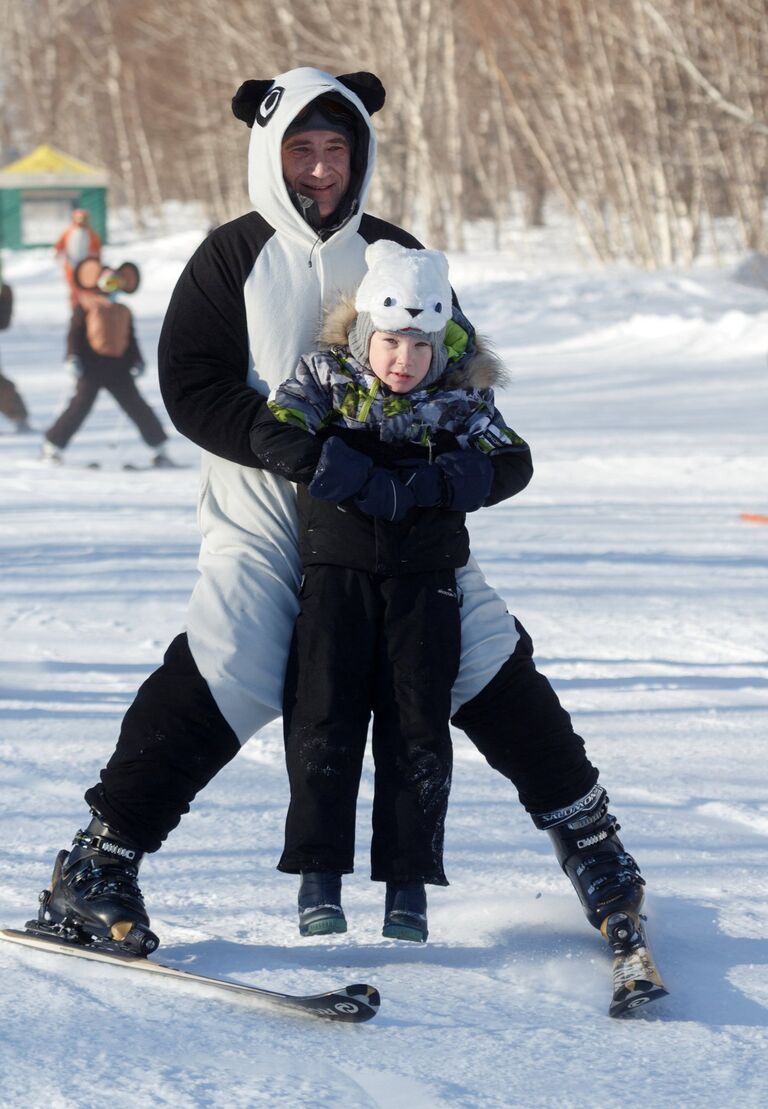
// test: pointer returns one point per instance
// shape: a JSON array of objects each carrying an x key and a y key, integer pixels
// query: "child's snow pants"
[{"x": 369, "y": 644}]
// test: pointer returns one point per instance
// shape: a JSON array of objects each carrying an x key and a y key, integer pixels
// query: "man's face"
[
  {"x": 317, "y": 164},
  {"x": 400, "y": 361}
]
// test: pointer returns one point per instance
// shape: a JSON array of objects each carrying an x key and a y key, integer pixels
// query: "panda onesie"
[{"x": 248, "y": 305}]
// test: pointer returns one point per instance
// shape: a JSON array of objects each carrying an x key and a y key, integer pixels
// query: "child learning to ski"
[
  {"x": 393, "y": 436},
  {"x": 103, "y": 353}
]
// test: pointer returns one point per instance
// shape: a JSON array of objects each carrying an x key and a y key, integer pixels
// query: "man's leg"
[
  {"x": 11, "y": 404},
  {"x": 518, "y": 724},
  {"x": 173, "y": 741},
  {"x": 71, "y": 419},
  {"x": 123, "y": 388}
]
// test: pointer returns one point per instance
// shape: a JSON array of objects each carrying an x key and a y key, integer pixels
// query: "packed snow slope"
[{"x": 644, "y": 399}]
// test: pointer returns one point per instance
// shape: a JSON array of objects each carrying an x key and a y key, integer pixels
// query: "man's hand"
[
  {"x": 384, "y": 496},
  {"x": 468, "y": 477},
  {"x": 340, "y": 473},
  {"x": 74, "y": 366},
  {"x": 138, "y": 368}
]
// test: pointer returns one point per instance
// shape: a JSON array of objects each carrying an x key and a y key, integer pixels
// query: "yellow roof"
[{"x": 46, "y": 159}]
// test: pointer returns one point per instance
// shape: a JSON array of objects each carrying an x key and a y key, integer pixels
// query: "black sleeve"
[
  {"x": 372, "y": 229},
  {"x": 283, "y": 448},
  {"x": 512, "y": 470},
  {"x": 203, "y": 351}
]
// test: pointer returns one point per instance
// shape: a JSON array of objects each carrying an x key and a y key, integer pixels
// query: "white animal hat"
[{"x": 403, "y": 290}]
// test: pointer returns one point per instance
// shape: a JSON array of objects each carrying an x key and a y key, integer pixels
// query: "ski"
[
  {"x": 350, "y": 1004},
  {"x": 636, "y": 979}
]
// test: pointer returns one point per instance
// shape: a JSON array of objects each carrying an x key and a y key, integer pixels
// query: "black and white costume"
[{"x": 248, "y": 304}]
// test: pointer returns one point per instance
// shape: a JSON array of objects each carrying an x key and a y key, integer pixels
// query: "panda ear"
[
  {"x": 367, "y": 87},
  {"x": 247, "y": 99}
]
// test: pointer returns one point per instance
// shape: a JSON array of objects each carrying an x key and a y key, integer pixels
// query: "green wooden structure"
[{"x": 38, "y": 193}]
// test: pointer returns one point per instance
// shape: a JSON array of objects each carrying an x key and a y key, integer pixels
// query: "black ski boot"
[
  {"x": 405, "y": 912},
  {"x": 320, "y": 911},
  {"x": 94, "y": 896},
  {"x": 605, "y": 877}
]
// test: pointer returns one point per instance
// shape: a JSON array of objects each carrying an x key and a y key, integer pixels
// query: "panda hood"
[{"x": 269, "y": 107}]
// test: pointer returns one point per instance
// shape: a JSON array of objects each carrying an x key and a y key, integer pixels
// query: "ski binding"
[{"x": 636, "y": 979}]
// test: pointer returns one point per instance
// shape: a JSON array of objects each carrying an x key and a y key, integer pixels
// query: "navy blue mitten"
[
  {"x": 340, "y": 473},
  {"x": 384, "y": 496},
  {"x": 468, "y": 478},
  {"x": 426, "y": 481}
]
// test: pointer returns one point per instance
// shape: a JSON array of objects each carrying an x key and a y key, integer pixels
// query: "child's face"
[{"x": 401, "y": 361}]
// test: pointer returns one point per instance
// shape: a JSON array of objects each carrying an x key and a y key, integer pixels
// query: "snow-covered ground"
[{"x": 645, "y": 401}]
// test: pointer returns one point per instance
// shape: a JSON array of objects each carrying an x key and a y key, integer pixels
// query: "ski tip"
[{"x": 368, "y": 997}]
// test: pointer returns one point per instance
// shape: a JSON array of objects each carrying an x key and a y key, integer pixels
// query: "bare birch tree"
[{"x": 647, "y": 121}]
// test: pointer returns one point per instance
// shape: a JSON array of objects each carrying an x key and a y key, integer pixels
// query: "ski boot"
[
  {"x": 94, "y": 897},
  {"x": 606, "y": 878},
  {"x": 405, "y": 912},
  {"x": 320, "y": 911},
  {"x": 51, "y": 453}
]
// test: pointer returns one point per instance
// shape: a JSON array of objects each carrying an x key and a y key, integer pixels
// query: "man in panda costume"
[{"x": 246, "y": 307}]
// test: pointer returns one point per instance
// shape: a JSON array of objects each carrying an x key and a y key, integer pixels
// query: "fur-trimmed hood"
[{"x": 477, "y": 366}]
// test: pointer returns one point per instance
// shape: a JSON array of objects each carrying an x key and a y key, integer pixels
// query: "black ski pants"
[
  {"x": 122, "y": 386},
  {"x": 11, "y": 404},
  {"x": 174, "y": 740},
  {"x": 366, "y": 644}
]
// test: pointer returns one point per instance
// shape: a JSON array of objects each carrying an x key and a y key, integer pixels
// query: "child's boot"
[
  {"x": 605, "y": 877},
  {"x": 320, "y": 911},
  {"x": 405, "y": 912}
]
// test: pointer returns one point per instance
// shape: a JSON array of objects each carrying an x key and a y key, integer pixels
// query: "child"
[
  {"x": 392, "y": 445},
  {"x": 103, "y": 352}
]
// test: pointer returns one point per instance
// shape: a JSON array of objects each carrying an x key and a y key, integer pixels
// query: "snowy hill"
[{"x": 645, "y": 402}]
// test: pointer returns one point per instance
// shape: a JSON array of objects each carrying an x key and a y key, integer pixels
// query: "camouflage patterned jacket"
[
  {"x": 329, "y": 389},
  {"x": 330, "y": 393}
]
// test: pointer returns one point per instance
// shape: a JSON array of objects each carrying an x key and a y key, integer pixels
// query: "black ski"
[
  {"x": 351, "y": 1004},
  {"x": 636, "y": 979}
]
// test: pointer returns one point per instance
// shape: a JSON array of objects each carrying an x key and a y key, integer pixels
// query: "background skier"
[
  {"x": 11, "y": 404},
  {"x": 103, "y": 353},
  {"x": 77, "y": 241}
]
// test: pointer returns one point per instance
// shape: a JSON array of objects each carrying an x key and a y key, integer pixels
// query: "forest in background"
[{"x": 647, "y": 120}]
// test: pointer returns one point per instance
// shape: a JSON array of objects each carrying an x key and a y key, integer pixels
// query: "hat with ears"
[
  {"x": 405, "y": 291},
  {"x": 91, "y": 276},
  {"x": 257, "y": 98}
]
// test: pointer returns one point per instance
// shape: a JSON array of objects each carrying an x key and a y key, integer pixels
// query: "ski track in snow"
[{"x": 644, "y": 399}]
